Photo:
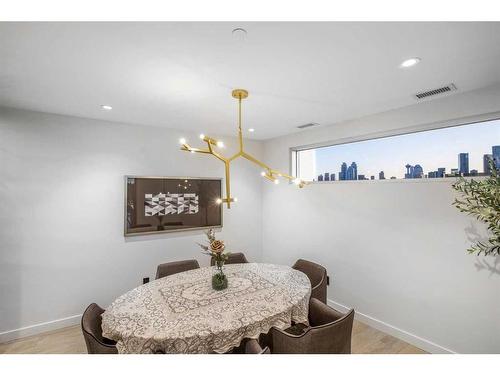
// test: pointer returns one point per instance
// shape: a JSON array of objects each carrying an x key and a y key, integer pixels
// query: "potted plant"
[{"x": 481, "y": 199}]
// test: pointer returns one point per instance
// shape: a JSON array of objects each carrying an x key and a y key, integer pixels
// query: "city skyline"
[
  {"x": 417, "y": 171},
  {"x": 431, "y": 150}
]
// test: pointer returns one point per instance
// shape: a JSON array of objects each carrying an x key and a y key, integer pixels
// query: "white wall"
[
  {"x": 61, "y": 213},
  {"x": 395, "y": 250}
]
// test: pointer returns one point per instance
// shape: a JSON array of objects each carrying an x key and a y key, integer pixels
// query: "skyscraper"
[
  {"x": 343, "y": 171},
  {"x": 418, "y": 171},
  {"x": 486, "y": 163},
  {"x": 332, "y": 176},
  {"x": 327, "y": 176},
  {"x": 441, "y": 172},
  {"x": 463, "y": 163},
  {"x": 352, "y": 172},
  {"x": 320, "y": 177},
  {"x": 495, "y": 150},
  {"x": 381, "y": 175}
]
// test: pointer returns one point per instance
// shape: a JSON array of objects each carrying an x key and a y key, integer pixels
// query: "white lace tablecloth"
[{"x": 183, "y": 314}]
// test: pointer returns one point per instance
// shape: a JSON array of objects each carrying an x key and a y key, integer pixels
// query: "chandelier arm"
[
  {"x": 254, "y": 160},
  {"x": 235, "y": 156},
  {"x": 188, "y": 148}
]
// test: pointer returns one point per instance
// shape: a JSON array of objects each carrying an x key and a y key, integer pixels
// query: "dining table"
[{"x": 182, "y": 313}]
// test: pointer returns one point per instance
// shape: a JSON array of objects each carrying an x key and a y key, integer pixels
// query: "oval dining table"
[{"x": 181, "y": 313}]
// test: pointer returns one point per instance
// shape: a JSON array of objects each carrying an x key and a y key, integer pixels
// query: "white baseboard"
[
  {"x": 401, "y": 334},
  {"x": 39, "y": 328}
]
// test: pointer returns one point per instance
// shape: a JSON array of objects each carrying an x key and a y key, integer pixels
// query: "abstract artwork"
[{"x": 166, "y": 204}]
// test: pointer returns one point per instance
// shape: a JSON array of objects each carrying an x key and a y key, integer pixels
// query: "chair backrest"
[
  {"x": 317, "y": 276},
  {"x": 92, "y": 332},
  {"x": 167, "y": 269},
  {"x": 330, "y": 333},
  {"x": 232, "y": 259}
]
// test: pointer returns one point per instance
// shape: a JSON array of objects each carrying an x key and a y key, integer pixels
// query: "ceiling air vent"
[
  {"x": 310, "y": 125},
  {"x": 441, "y": 90}
]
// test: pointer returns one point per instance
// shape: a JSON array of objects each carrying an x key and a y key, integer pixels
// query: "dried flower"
[{"x": 217, "y": 246}]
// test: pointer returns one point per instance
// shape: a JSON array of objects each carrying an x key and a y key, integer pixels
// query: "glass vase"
[{"x": 219, "y": 279}]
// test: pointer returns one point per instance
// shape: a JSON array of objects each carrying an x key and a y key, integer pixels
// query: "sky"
[{"x": 431, "y": 149}]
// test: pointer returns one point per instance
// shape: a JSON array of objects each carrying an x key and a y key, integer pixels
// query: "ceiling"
[{"x": 180, "y": 75}]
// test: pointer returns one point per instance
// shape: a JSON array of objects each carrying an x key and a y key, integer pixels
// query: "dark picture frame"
[{"x": 171, "y": 204}]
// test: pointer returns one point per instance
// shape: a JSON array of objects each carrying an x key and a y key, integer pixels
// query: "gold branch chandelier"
[{"x": 268, "y": 173}]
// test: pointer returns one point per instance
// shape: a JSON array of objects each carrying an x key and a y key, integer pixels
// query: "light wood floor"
[{"x": 70, "y": 341}]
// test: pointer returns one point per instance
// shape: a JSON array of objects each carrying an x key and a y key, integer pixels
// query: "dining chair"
[
  {"x": 329, "y": 333},
  {"x": 167, "y": 269},
  {"x": 232, "y": 259},
  {"x": 92, "y": 332},
  {"x": 317, "y": 276},
  {"x": 252, "y": 346}
]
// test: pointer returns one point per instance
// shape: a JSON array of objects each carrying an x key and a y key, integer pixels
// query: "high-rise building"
[
  {"x": 381, "y": 175},
  {"x": 343, "y": 171},
  {"x": 418, "y": 171},
  {"x": 495, "y": 150},
  {"x": 463, "y": 163},
  {"x": 441, "y": 172},
  {"x": 352, "y": 172},
  {"x": 327, "y": 176},
  {"x": 332, "y": 176},
  {"x": 486, "y": 163},
  {"x": 320, "y": 177}
]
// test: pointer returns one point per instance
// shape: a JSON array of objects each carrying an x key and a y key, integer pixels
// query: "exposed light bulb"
[
  {"x": 235, "y": 200},
  {"x": 262, "y": 173},
  {"x": 202, "y": 136},
  {"x": 220, "y": 144},
  {"x": 192, "y": 151},
  {"x": 218, "y": 201},
  {"x": 106, "y": 107},
  {"x": 276, "y": 181},
  {"x": 251, "y": 130},
  {"x": 410, "y": 62},
  {"x": 182, "y": 141},
  {"x": 297, "y": 181}
]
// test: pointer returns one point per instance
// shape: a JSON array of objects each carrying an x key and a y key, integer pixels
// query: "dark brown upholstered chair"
[
  {"x": 233, "y": 259},
  {"x": 330, "y": 333},
  {"x": 92, "y": 332},
  {"x": 252, "y": 346},
  {"x": 167, "y": 269},
  {"x": 317, "y": 276}
]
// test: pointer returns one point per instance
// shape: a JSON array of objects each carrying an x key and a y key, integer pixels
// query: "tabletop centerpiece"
[{"x": 215, "y": 249}]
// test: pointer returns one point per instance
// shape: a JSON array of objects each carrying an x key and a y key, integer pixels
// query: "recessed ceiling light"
[
  {"x": 106, "y": 107},
  {"x": 251, "y": 130},
  {"x": 410, "y": 62}
]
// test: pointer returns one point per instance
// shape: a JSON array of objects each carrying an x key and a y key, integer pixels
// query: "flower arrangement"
[{"x": 215, "y": 249}]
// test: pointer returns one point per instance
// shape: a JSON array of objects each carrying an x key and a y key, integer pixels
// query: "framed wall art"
[{"x": 168, "y": 204}]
